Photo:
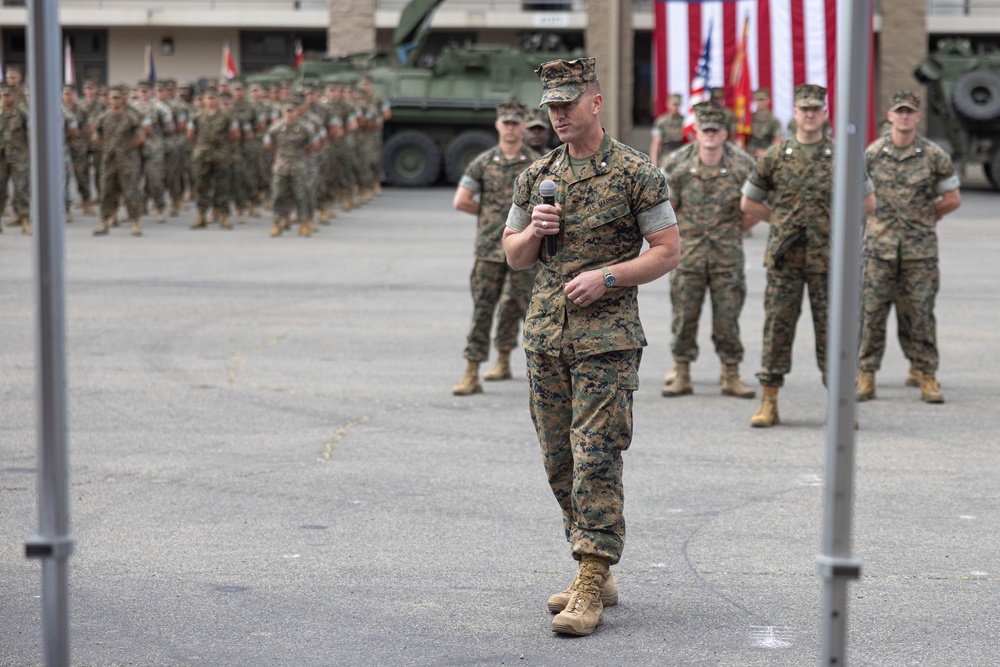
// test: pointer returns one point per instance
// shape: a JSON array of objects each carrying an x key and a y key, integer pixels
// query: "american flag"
[
  {"x": 699, "y": 86},
  {"x": 790, "y": 42}
]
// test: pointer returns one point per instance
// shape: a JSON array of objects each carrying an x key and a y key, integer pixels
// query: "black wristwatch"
[{"x": 609, "y": 278}]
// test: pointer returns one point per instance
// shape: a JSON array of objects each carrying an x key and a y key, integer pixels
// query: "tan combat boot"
[
  {"x": 767, "y": 413},
  {"x": 241, "y": 216},
  {"x": 136, "y": 228},
  {"x": 609, "y": 595},
  {"x": 584, "y": 611},
  {"x": 866, "y": 385},
  {"x": 346, "y": 203},
  {"x": 324, "y": 217},
  {"x": 15, "y": 221},
  {"x": 199, "y": 221},
  {"x": 87, "y": 208},
  {"x": 161, "y": 214},
  {"x": 254, "y": 212},
  {"x": 469, "y": 384},
  {"x": 501, "y": 369},
  {"x": 378, "y": 188},
  {"x": 279, "y": 225},
  {"x": 732, "y": 385},
  {"x": 103, "y": 227},
  {"x": 913, "y": 376},
  {"x": 672, "y": 375},
  {"x": 682, "y": 381},
  {"x": 26, "y": 225},
  {"x": 175, "y": 208},
  {"x": 224, "y": 221},
  {"x": 305, "y": 228},
  {"x": 930, "y": 390}
]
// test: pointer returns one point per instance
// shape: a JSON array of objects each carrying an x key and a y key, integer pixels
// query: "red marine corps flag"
[
  {"x": 739, "y": 79},
  {"x": 788, "y": 43},
  {"x": 228, "y": 70}
]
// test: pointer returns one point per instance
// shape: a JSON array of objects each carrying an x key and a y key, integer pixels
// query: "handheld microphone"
[{"x": 548, "y": 191}]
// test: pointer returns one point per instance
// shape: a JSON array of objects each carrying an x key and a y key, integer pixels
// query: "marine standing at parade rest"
[
  {"x": 14, "y": 166},
  {"x": 77, "y": 151},
  {"x": 214, "y": 133},
  {"x": 668, "y": 132},
  {"x": 485, "y": 191},
  {"x": 71, "y": 132},
  {"x": 705, "y": 180},
  {"x": 916, "y": 186},
  {"x": 765, "y": 128},
  {"x": 291, "y": 140},
  {"x": 582, "y": 335},
  {"x": 91, "y": 108},
  {"x": 797, "y": 176},
  {"x": 120, "y": 132}
]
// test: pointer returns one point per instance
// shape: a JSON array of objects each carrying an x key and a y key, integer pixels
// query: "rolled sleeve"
[
  {"x": 470, "y": 184},
  {"x": 518, "y": 219},
  {"x": 948, "y": 184},
  {"x": 751, "y": 191},
  {"x": 654, "y": 219}
]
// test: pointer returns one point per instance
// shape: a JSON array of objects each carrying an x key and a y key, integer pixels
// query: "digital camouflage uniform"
[
  {"x": 706, "y": 200},
  {"x": 491, "y": 176},
  {"x": 71, "y": 131},
  {"x": 174, "y": 154},
  {"x": 78, "y": 147},
  {"x": 669, "y": 128},
  {"x": 901, "y": 249},
  {"x": 161, "y": 121},
  {"x": 290, "y": 179},
  {"x": 764, "y": 127},
  {"x": 583, "y": 362},
  {"x": 91, "y": 110},
  {"x": 121, "y": 162},
  {"x": 342, "y": 152},
  {"x": 798, "y": 248},
  {"x": 14, "y": 166},
  {"x": 246, "y": 156},
  {"x": 212, "y": 160}
]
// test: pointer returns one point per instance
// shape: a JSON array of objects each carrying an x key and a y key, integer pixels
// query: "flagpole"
[
  {"x": 54, "y": 543},
  {"x": 836, "y": 564}
]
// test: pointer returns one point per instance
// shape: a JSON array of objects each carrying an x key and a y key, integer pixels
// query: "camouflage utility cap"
[
  {"x": 565, "y": 80},
  {"x": 710, "y": 116},
  {"x": 810, "y": 95},
  {"x": 674, "y": 98},
  {"x": 904, "y": 98},
  {"x": 69, "y": 88},
  {"x": 537, "y": 118},
  {"x": 511, "y": 110}
]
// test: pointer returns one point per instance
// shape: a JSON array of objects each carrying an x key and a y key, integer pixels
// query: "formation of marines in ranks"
[{"x": 231, "y": 148}]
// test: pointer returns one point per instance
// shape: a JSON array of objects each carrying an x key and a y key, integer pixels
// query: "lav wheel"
[
  {"x": 976, "y": 96},
  {"x": 463, "y": 149},
  {"x": 412, "y": 159}
]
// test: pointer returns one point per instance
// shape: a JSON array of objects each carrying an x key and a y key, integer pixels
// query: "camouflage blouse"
[{"x": 617, "y": 198}]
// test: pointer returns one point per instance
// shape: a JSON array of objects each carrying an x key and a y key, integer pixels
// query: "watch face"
[{"x": 609, "y": 280}]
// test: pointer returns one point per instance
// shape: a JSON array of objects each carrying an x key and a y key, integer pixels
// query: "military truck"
[
  {"x": 963, "y": 85},
  {"x": 443, "y": 108}
]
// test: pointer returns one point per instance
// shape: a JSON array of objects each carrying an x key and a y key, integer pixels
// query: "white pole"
[
  {"x": 836, "y": 564},
  {"x": 54, "y": 543}
]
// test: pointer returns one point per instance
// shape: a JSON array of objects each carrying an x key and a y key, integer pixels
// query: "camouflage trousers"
[
  {"x": 244, "y": 191},
  {"x": 343, "y": 160},
  {"x": 121, "y": 181},
  {"x": 213, "y": 182},
  {"x": 493, "y": 284},
  {"x": 15, "y": 170},
  {"x": 912, "y": 285},
  {"x": 582, "y": 412},
  {"x": 97, "y": 163},
  {"x": 81, "y": 170},
  {"x": 782, "y": 307},
  {"x": 154, "y": 178},
  {"x": 173, "y": 168},
  {"x": 291, "y": 190},
  {"x": 728, "y": 291}
]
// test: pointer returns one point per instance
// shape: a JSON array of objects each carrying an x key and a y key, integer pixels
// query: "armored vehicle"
[
  {"x": 443, "y": 108},
  {"x": 963, "y": 86}
]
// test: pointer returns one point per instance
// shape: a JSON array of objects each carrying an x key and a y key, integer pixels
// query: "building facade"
[{"x": 108, "y": 38}]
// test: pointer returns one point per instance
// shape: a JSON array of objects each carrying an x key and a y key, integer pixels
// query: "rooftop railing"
[{"x": 963, "y": 7}]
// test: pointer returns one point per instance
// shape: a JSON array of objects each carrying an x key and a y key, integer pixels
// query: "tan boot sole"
[{"x": 567, "y": 629}]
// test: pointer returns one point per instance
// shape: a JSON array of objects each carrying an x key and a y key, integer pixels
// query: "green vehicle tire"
[
  {"x": 463, "y": 149},
  {"x": 412, "y": 160},
  {"x": 976, "y": 96}
]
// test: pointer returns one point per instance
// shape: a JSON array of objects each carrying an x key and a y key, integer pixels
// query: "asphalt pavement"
[{"x": 268, "y": 467}]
